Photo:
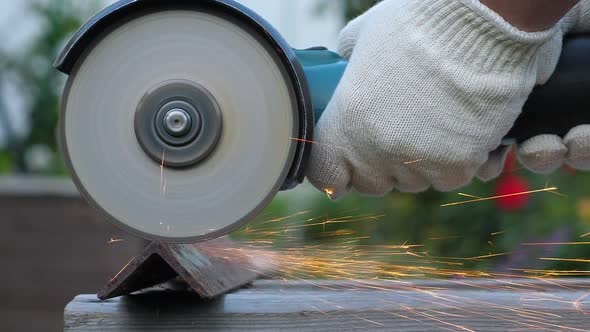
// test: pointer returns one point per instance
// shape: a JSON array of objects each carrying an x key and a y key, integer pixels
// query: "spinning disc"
[{"x": 178, "y": 125}]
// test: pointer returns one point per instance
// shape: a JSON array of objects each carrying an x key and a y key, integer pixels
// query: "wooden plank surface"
[{"x": 462, "y": 305}]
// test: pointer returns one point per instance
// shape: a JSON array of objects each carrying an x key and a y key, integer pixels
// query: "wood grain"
[{"x": 466, "y": 305}]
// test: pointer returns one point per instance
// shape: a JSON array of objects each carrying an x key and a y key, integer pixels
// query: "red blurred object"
[{"x": 508, "y": 185}]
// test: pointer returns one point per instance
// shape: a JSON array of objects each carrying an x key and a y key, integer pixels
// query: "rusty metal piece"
[{"x": 210, "y": 269}]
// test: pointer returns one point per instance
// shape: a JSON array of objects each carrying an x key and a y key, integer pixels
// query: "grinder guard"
[{"x": 117, "y": 13}]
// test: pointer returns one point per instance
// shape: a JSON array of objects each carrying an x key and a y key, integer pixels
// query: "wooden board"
[{"x": 462, "y": 305}]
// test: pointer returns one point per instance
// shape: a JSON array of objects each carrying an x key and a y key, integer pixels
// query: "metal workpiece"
[{"x": 208, "y": 269}]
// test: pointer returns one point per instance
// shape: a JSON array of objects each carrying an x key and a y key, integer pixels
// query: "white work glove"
[
  {"x": 547, "y": 153},
  {"x": 431, "y": 90}
]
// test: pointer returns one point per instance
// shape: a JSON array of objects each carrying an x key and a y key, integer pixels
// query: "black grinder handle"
[{"x": 564, "y": 101}]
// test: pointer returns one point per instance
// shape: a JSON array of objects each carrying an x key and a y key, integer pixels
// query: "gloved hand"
[
  {"x": 547, "y": 153},
  {"x": 431, "y": 89}
]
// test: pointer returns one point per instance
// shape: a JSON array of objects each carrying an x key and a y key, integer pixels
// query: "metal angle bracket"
[{"x": 210, "y": 269}]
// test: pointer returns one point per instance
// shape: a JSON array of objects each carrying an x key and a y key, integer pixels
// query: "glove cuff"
[{"x": 472, "y": 33}]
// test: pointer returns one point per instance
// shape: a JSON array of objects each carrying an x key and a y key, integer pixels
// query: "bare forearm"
[{"x": 531, "y": 15}]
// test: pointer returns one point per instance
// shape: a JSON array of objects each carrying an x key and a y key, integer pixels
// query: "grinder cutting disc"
[{"x": 178, "y": 125}]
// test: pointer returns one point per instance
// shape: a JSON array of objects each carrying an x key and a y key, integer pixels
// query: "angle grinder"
[{"x": 181, "y": 120}]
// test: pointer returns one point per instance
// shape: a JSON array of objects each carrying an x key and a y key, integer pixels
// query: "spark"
[
  {"x": 413, "y": 161},
  {"x": 446, "y": 303},
  {"x": 447, "y": 314},
  {"x": 434, "y": 318},
  {"x": 415, "y": 320},
  {"x": 445, "y": 238},
  {"x": 318, "y": 143},
  {"x": 368, "y": 320},
  {"x": 340, "y": 232},
  {"x": 476, "y": 200},
  {"x": 557, "y": 244},
  {"x": 277, "y": 220},
  {"x": 357, "y": 265},
  {"x": 585, "y": 235},
  {"x": 303, "y": 140},
  {"x": 547, "y": 185},
  {"x": 162, "y": 180},
  {"x": 329, "y": 192},
  {"x": 320, "y": 311},
  {"x": 573, "y": 260},
  {"x": 313, "y": 222},
  {"x": 558, "y": 194},
  {"x": 470, "y": 196},
  {"x": 123, "y": 269},
  {"x": 113, "y": 240},
  {"x": 554, "y": 273},
  {"x": 579, "y": 304}
]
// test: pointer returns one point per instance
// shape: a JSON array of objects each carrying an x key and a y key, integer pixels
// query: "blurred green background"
[{"x": 498, "y": 227}]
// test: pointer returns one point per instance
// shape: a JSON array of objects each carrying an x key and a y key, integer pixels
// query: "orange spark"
[
  {"x": 123, "y": 269},
  {"x": 318, "y": 143},
  {"x": 476, "y": 200},
  {"x": 558, "y": 244},
  {"x": 490, "y": 256},
  {"x": 413, "y": 162},
  {"x": 384, "y": 267},
  {"x": 329, "y": 192},
  {"x": 573, "y": 260},
  {"x": 303, "y": 140},
  {"x": 276, "y": 220}
]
